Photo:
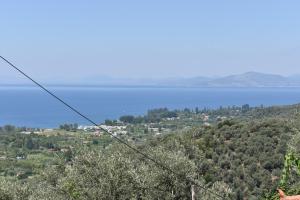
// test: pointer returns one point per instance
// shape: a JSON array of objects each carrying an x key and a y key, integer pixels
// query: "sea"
[{"x": 32, "y": 107}]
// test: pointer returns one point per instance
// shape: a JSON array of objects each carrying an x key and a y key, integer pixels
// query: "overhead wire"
[{"x": 106, "y": 131}]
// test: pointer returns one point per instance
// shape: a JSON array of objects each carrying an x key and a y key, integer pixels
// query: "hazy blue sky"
[{"x": 156, "y": 38}]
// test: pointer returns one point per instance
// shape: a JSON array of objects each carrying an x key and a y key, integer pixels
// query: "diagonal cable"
[{"x": 106, "y": 131}]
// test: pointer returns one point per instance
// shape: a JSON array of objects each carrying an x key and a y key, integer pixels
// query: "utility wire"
[{"x": 112, "y": 135}]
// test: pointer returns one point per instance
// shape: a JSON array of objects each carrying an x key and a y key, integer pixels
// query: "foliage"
[{"x": 240, "y": 155}]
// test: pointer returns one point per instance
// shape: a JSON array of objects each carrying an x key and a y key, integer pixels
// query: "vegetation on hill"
[{"x": 237, "y": 152}]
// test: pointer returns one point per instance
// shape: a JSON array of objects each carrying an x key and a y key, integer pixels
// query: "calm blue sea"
[{"x": 34, "y": 108}]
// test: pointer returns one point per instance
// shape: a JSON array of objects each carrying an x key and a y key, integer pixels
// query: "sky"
[{"x": 84, "y": 40}]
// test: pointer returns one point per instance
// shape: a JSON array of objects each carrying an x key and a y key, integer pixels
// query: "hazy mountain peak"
[
  {"x": 259, "y": 74},
  {"x": 250, "y": 79}
]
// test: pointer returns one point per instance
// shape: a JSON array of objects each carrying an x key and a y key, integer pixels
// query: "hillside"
[
  {"x": 237, "y": 152},
  {"x": 249, "y": 79}
]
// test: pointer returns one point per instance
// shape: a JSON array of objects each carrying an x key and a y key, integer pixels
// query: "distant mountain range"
[
  {"x": 255, "y": 79},
  {"x": 248, "y": 79}
]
